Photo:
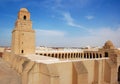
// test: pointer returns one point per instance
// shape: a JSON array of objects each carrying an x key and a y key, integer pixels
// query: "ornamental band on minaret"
[{"x": 23, "y": 36}]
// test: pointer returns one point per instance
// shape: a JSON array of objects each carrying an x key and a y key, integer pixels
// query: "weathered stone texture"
[{"x": 8, "y": 75}]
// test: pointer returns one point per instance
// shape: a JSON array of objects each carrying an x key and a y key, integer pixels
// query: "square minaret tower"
[{"x": 23, "y": 36}]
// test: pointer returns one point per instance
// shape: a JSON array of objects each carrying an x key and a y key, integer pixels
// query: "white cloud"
[
  {"x": 89, "y": 17},
  {"x": 70, "y": 21},
  {"x": 97, "y": 37},
  {"x": 49, "y": 32},
  {"x": 49, "y": 37},
  {"x": 107, "y": 33}
]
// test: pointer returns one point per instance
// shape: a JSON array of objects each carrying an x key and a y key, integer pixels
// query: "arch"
[
  {"x": 68, "y": 55},
  {"x": 71, "y": 55},
  {"x": 24, "y": 17},
  {"x": 40, "y": 54},
  {"x": 74, "y": 55},
  {"x": 90, "y": 55},
  {"x": 59, "y": 55},
  {"x": 65, "y": 55},
  {"x": 56, "y": 55},
  {"x": 45, "y": 54},
  {"x": 52, "y": 54},
  {"x": 93, "y": 55},
  {"x": 97, "y": 55},
  {"x": 62, "y": 55},
  {"x": 49, "y": 54},
  {"x": 77, "y": 55},
  {"x": 84, "y": 55}
]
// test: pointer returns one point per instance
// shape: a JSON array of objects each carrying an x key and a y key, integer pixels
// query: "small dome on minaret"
[
  {"x": 24, "y": 9},
  {"x": 24, "y": 14}
]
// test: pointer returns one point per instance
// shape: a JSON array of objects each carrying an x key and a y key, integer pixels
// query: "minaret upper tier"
[{"x": 23, "y": 21}]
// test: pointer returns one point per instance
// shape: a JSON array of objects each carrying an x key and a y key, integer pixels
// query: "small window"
[
  {"x": 22, "y": 51},
  {"x": 100, "y": 55},
  {"x": 106, "y": 54},
  {"x": 24, "y": 17}
]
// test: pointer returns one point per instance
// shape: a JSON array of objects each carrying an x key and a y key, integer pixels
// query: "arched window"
[{"x": 24, "y": 18}]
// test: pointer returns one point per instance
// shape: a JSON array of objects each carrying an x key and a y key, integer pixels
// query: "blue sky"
[{"x": 68, "y": 23}]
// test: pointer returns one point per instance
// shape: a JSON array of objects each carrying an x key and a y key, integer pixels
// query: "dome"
[
  {"x": 23, "y": 9},
  {"x": 109, "y": 45}
]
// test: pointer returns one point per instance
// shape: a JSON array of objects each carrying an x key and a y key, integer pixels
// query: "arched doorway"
[{"x": 119, "y": 75}]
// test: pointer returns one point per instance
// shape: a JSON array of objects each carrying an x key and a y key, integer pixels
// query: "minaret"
[{"x": 23, "y": 36}]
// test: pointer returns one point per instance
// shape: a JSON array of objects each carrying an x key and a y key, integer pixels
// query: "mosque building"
[{"x": 59, "y": 66}]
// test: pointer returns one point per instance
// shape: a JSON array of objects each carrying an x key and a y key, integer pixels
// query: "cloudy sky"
[{"x": 69, "y": 23}]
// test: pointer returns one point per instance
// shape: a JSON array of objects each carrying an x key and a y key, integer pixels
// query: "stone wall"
[{"x": 81, "y": 72}]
